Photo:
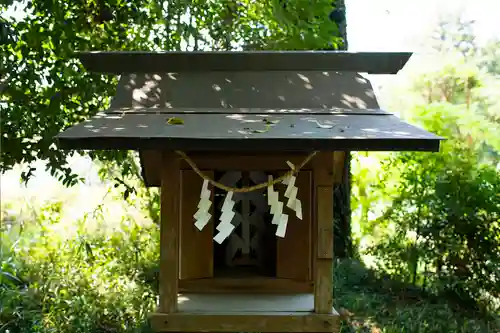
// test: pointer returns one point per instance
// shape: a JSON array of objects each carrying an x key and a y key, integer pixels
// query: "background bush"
[
  {"x": 58, "y": 280},
  {"x": 445, "y": 214},
  {"x": 427, "y": 224}
]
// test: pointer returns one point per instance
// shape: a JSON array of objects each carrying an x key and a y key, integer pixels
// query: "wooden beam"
[
  {"x": 169, "y": 233},
  {"x": 322, "y": 164},
  {"x": 276, "y": 161},
  {"x": 323, "y": 253},
  {"x": 261, "y": 322},
  {"x": 245, "y": 285},
  {"x": 338, "y": 166},
  {"x": 119, "y": 62},
  {"x": 245, "y": 161}
]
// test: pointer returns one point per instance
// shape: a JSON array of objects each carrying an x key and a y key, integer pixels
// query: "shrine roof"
[
  {"x": 258, "y": 130},
  {"x": 120, "y": 62},
  {"x": 252, "y": 101}
]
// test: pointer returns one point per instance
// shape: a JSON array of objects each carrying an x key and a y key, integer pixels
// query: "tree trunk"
[
  {"x": 343, "y": 25},
  {"x": 343, "y": 247}
]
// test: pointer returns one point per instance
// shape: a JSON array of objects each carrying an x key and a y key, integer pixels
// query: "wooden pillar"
[
  {"x": 169, "y": 232},
  {"x": 324, "y": 228}
]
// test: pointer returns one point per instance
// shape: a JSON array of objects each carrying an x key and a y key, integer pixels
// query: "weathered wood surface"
[
  {"x": 218, "y": 132},
  {"x": 245, "y": 313},
  {"x": 229, "y": 303},
  {"x": 231, "y": 160},
  {"x": 243, "y": 92},
  {"x": 247, "y": 322},
  {"x": 259, "y": 111},
  {"x": 119, "y": 62},
  {"x": 323, "y": 253},
  {"x": 298, "y": 100},
  {"x": 249, "y": 285},
  {"x": 169, "y": 233},
  {"x": 294, "y": 251},
  {"x": 196, "y": 247}
]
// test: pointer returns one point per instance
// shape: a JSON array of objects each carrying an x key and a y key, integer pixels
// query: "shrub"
[
  {"x": 82, "y": 282},
  {"x": 446, "y": 217}
]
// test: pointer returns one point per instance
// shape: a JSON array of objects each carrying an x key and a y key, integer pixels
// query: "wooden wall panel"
[
  {"x": 294, "y": 251},
  {"x": 196, "y": 247}
]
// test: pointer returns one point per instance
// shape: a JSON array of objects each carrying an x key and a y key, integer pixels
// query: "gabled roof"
[
  {"x": 256, "y": 111},
  {"x": 248, "y": 105}
]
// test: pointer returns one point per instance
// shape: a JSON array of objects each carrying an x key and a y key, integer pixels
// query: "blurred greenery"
[
  {"x": 426, "y": 226},
  {"x": 101, "y": 280},
  {"x": 432, "y": 220},
  {"x": 105, "y": 279}
]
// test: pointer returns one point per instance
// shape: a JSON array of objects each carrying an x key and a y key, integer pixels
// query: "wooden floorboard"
[{"x": 239, "y": 303}]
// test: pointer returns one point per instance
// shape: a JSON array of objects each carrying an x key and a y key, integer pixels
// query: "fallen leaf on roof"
[
  {"x": 175, "y": 121},
  {"x": 270, "y": 122},
  {"x": 268, "y": 127},
  {"x": 260, "y": 131}
]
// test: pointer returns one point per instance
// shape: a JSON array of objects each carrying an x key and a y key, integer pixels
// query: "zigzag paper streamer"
[
  {"x": 225, "y": 227},
  {"x": 291, "y": 193},
  {"x": 202, "y": 216},
  {"x": 273, "y": 201},
  {"x": 281, "y": 230}
]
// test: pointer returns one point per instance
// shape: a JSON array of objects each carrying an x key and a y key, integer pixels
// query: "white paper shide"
[
  {"x": 202, "y": 216},
  {"x": 225, "y": 227},
  {"x": 274, "y": 203},
  {"x": 291, "y": 192}
]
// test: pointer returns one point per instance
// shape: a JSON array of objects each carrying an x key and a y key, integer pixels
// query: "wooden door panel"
[
  {"x": 196, "y": 247},
  {"x": 294, "y": 251}
]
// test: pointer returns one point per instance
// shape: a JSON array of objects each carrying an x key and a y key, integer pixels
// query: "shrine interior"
[{"x": 252, "y": 251}]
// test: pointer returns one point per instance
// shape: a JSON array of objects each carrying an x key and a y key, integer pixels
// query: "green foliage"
[
  {"x": 44, "y": 89},
  {"x": 96, "y": 281},
  {"x": 490, "y": 57},
  {"x": 455, "y": 34},
  {"x": 432, "y": 220},
  {"x": 446, "y": 215},
  {"x": 69, "y": 278},
  {"x": 376, "y": 304},
  {"x": 453, "y": 81},
  {"x": 77, "y": 281}
]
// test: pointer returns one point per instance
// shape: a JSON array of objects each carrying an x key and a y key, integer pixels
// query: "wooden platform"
[
  {"x": 244, "y": 313},
  {"x": 245, "y": 303}
]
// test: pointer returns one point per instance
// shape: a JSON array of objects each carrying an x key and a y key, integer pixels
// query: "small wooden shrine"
[{"x": 246, "y": 147}]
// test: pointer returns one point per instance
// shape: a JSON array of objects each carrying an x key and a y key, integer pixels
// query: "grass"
[
  {"x": 373, "y": 305},
  {"x": 98, "y": 273}
]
